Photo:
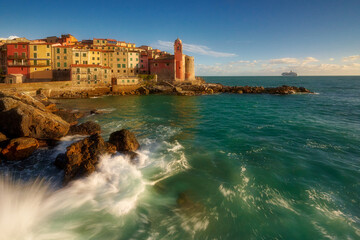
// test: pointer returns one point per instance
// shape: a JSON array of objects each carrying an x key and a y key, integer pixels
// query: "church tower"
[{"x": 179, "y": 61}]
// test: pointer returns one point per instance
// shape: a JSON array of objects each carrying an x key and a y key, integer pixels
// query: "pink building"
[
  {"x": 144, "y": 63},
  {"x": 18, "y": 58}
]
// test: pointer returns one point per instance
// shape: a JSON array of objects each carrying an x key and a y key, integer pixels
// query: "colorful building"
[
  {"x": 40, "y": 60},
  {"x": 17, "y": 55},
  {"x": 61, "y": 57},
  {"x": 90, "y": 74}
]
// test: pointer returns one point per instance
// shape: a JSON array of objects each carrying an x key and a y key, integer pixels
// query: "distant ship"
[{"x": 289, "y": 74}]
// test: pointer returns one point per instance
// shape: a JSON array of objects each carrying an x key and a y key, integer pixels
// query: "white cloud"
[
  {"x": 305, "y": 66},
  {"x": 331, "y": 59},
  {"x": 284, "y": 61},
  {"x": 9, "y": 38},
  {"x": 193, "y": 48},
  {"x": 351, "y": 58}
]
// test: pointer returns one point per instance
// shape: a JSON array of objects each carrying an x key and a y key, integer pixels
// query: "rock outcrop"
[
  {"x": 124, "y": 140},
  {"x": 2, "y": 137},
  {"x": 86, "y": 128},
  {"x": 82, "y": 157},
  {"x": 23, "y": 116},
  {"x": 68, "y": 116},
  {"x": 20, "y": 148}
]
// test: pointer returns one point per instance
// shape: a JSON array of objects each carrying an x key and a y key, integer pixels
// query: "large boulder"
[
  {"x": 86, "y": 128},
  {"x": 20, "y": 148},
  {"x": 124, "y": 140},
  {"x": 27, "y": 121},
  {"x": 23, "y": 116},
  {"x": 82, "y": 157},
  {"x": 68, "y": 116}
]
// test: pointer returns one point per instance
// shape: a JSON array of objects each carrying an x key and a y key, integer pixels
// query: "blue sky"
[{"x": 228, "y": 37}]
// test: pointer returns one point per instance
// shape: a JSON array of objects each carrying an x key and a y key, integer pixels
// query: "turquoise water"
[{"x": 249, "y": 166}]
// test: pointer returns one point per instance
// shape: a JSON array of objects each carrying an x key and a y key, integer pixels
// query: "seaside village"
[{"x": 90, "y": 62}]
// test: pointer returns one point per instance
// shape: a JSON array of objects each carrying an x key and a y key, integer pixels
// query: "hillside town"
[{"x": 99, "y": 61}]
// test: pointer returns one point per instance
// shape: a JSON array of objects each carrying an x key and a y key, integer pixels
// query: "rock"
[
  {"x": 27, "y": 121},
  {"x": 21, "y": 97},
  {"x": 87, "y": 128},
  {"x": 143, "y": 91},
  {"x": 60, "y": 161},
  {"x": 68, "y": 116},
  {"x": 82, "y": 157},
  {"x": 20, "y": 148},
  {"x": 134, "y": 157},
  {"x": 177, "y": 89},
  {"x": 124, "y": 140},
  {"x": 2, "y": 137}
]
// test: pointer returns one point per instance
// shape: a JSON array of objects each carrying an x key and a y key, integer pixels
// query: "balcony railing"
[
  {"x": 18, "y": 64},
  {"x": 40, "y": 65},
  {"x": 16, "y": 57}
]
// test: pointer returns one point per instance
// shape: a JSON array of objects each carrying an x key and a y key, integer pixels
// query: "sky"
[{"x": 226, "y": 37}]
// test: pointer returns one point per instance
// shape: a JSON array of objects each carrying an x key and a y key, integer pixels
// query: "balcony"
[
  {"x": 16, "y": 57},
  {"x": 40, "y": 65},
  {"x": 18, "y": 64}
]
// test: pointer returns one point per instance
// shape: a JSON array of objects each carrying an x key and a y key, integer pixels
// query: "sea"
[{"x": 223, "y": 166}]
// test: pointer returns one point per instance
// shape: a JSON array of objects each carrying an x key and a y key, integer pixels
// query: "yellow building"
[
  {"x": 61, "y": 57},
  {"x": 85, "y": 74},
  {"x": 133, "y": 60},
  {"x": 40, "y": 60},
  {"x": 95, "y": 57},
  {"x": 80, "y": 56},
  {"x": 119, "y": 63}
]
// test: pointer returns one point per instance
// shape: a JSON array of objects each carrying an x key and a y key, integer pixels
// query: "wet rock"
[
  {"x": 60, "y": 161},
  {"x": 124, "y": 140},
  {"x": 143, "y": 91},
  {"x": 27, "y": 121},
  {"x": 68, "y": 116},
  {"x": 2, "y": 137},
  {"x": 87, "y": 128},
  {"x": 82, "y": 157},
  {"x": 20, "y": 148}
]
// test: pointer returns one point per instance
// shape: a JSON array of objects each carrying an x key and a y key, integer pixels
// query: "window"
[
  {"x": 118, "y": 59},
  {"x": 58, "y": 50},
  {"x": 105, "y": 76},
  {"x": 93, "y": 58},
  {"x": 65, "y": 65},
  {"x": 88, "y": 70},
  {"x": 105, "y": 71},
  {"x": 23, "y": 55},
  {"x": 76, "y": 54},
  {"x": 35, "y": 69},
  {"x": 48, "y": 46},
  {"x": 23, "y": 46},
  {"x": 89, "y": 77},
  {"x": 104, "y": 54},
  {"x": 123, "y": 81},
  {"x": 118, "y": 71},
  {"x": 105, "y": 59},
  {"x": 94, "y": 77},
  {"x": 98, "y": 58},
  {"x": 89, "y": 82},
  {"x": 78, "y": 70},
  {"x": 65, "y": 57},
  {"x": 142, "y": 61},
  {"x": 124, "y": 66},
  {"x": 65, "y": 50},
  {"x": 84, "y": 54},
  {"x": 58, "y": 64},
  {"x": 85, "y": 62},
  {"x": 133, "y": 80},
  {"x": 47, "y": 62},
  {"x": 103, "y": 41},
  {"x": 130, "y": 53},
  {"x": 78, "y": 82},
  {"x": 131, "y": 65},
  {"x": 58, "y": 57},
  {"x": 128, "y": 80},
  {"x": 35, "y": 48},
  {"x": 95, "y": 69},
  {"x": 130, "y": 59},
  {"x": 15, "y": 55},
  {"x": 15, "y": 46},
  {"x": 137, "y": 65},
  {"x": 35, "y": 63},
  {"x": 35, "y": 55},
  {"x": 119, "y": 65},
  {"x": 78, "y": 77},
  {"x": 48, "y": 54},
  {"x": 97, "y": 41},
  {"x": 124, "y": 71},
  {"x": 124, "y": 59},
  {"x": 137, "y": 59},
  {"x": 142, "y": 66}
]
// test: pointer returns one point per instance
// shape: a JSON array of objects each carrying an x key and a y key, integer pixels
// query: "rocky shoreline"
[{"x": 29, "y": 123}]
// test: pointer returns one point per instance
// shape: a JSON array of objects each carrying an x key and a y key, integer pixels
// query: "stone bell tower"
[{"x": 179, "y": 61}]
